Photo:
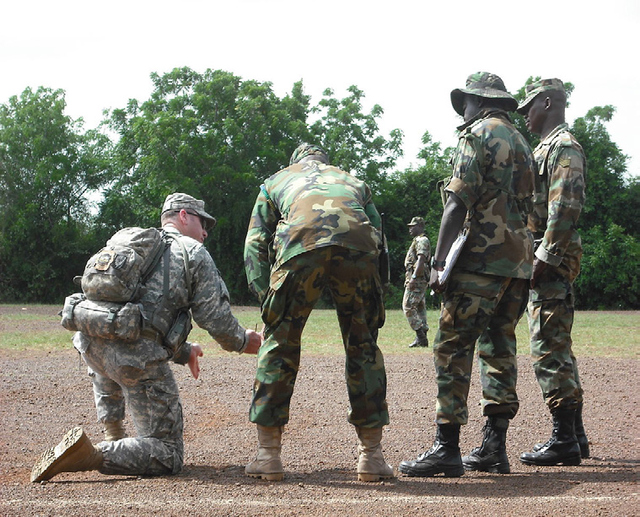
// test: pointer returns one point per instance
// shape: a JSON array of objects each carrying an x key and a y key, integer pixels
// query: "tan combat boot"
[
  {"x": 114, "y": 431},
  {"x": 74, "y": 453},
  {"x": 267, "y": 464},
  {"x": 371, "y": 463}
]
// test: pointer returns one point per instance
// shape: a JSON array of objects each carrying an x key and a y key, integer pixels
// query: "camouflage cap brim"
[
  {"x": 535, "y": 89},
  {"x": 210, "y": 221}
]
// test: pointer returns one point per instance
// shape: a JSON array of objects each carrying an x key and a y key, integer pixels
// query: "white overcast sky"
[{"x": 406, "y": 55}]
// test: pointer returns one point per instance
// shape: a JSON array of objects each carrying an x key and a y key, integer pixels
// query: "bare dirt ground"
[{"x": 42, "y": 395}]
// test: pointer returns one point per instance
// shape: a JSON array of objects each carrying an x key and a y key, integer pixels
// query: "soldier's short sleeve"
[
  {"x": 423, "y": 246},
  {"x": 466, "y": 171}
]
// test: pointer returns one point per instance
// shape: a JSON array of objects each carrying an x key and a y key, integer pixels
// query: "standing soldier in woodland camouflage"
[
  {"x": 559, "y": 198},
  {"x": 315, "y": 227},
  {"x": 416, "y": 265},
  {"x": 138, "y": 372},
  {"x": 486, "y": 294}
]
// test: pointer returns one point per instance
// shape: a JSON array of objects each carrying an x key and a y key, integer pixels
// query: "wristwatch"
[{"x": 437, "y": 263}]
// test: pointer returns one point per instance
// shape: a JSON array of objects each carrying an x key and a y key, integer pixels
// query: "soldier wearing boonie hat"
[
  {"x": 558, "y": 201},
  {"x": 483, "y": 84},
  {"x": 487, "y": 289},
  {"x": 417, "y": 271},
  {"x": 179, "y": 201}
]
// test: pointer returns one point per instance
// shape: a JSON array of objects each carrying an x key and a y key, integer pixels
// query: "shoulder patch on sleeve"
[{"x": 565, "y": 139}]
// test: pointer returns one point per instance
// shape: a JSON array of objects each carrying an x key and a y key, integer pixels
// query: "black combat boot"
[
  {"x": 491, "y": 456},
  {"x": 442, "y": 458},
  {"x": 562, "y": 447},
  {"x": 421, "y": 339},
  {"x": 581, "y": 435}
]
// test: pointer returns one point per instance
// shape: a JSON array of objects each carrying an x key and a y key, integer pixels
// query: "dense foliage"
[{"x": 64, "y": 190}]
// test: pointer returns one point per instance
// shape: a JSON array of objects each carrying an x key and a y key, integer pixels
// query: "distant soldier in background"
[
  {"x": 486, "y": 294},
  {"x": 417, "y": 271},
  {"x": 315, "y": 227},
  {"x": 559, "y": 198}
]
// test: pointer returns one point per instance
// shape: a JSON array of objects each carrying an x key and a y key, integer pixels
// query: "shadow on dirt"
[{"x": 548, "y": 483}]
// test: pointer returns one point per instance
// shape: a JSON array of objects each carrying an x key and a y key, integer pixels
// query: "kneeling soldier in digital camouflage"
[
  {"x": 138, "y": 372},
  {"x": 315, "y": 227}
]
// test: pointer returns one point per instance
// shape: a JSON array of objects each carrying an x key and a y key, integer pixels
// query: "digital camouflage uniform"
[
  {"x": 413, "y": 301},
  {"x": 139, "y": 373},
  {"x": 487, "y": 292},
  {"x": 559, "y": 198},
  {"x": 315, "y": 227}
]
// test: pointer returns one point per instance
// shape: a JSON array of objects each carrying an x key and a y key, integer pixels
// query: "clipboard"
[{"x": 453, "y": 254}]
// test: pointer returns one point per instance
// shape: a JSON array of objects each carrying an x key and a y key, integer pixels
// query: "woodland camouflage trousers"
[
  {"x": 486, "y": 309},
  {"x": 550, "y": 313},
  {"x": 352, "y": 279},
  {"x": 414, "y": 307}
]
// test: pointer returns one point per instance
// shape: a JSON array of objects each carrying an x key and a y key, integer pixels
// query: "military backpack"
[{"x": 112, "y": 282}]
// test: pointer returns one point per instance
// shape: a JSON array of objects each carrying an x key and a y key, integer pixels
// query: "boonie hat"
[
  {"x": 178, "y": 201},
  {"x": 415, "y": 221},
  {"x": 482, "y": 84},
  {"x": 532, "y": 90},
  {"x": 304, "y": 150}
]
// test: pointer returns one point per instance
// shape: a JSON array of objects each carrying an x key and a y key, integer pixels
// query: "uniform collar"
[{"x": 482, "y": 114}]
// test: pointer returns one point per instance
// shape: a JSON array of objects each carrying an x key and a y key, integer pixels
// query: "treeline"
[{"x": 64, "y": 190}]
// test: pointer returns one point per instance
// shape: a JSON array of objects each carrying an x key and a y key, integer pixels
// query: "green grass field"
[{"x": 595, "y": 334}]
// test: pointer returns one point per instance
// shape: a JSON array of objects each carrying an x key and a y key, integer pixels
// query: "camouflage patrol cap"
[
  {"x": 415, "y": 221},
  {"x": 178, "y": 201},
  {"x": 304, "y": 150},
  {"x": 532, "y": 90},
  {"x": 482, "y": 84}
]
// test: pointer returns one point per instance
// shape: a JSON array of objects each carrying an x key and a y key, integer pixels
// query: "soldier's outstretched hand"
[
  {"x": 194, "y": 366},
  {"x": 255, "y": 342}
]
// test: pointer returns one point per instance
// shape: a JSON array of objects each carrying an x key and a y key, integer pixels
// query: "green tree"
[
  {"x": 609, "y": 221},
  {"x": 352, "y": 138},
  {"x": 49, "y": 169},
  {"x": 210, "y": 135},
  {"x": 217, "y": 137},
  {"x": 610, "y": 265},
  {"x": 606, "y": 168}
]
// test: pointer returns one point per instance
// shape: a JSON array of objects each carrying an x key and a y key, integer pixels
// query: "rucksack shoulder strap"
[
  {"x": 185, "y": 258},
  {"x": 153, "y": 264}
]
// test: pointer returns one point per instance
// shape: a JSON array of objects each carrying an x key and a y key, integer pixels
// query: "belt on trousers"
[{"x": 152, "y": 335}]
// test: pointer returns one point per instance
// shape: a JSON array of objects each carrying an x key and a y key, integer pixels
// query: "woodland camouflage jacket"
[
  {"x": 493, "y": 175},
  {"x": 558, "y": 201},
  {"x": 307, "y": 206}
]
